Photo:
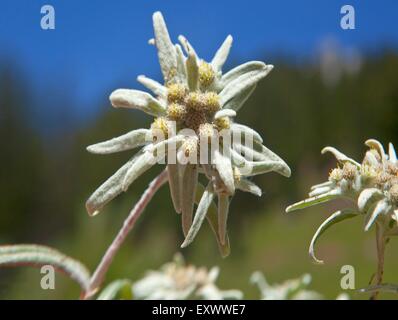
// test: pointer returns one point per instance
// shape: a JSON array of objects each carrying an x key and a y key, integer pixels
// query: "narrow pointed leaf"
[
  {"x": 143, "y": 163},
  {"x": 166, "y": 50},
  {"x": 109, "y": 189},
  {"x": 222, "y": 54},
  {"x": 181, "y": 69},
  {"x": 225, "y": 113},
  {"x": 201, "y": 211},
  {"x": 336, "y": 217},
  {"x": 340, "y": 156},
  {"x": 323, "y": 184},
  {"x": 248, "y": 186},
  {"x": 192, "y": 71},
  {"x": 213, "y": 222},
  {"x": 135, "y": 99},
  {"x": 261, "y": 167},
  {"x": 392, "y": 156},
  {"x": 36, "y": 255},
  {"x": 224, "y": 167},
  {"x": 241, "y": 70},
  {"x": 321, "y": 190},
  {"x": 189, "y": 183},
  {"x": 374, "y": 144},
  {"x": 187, "y": 46},
  {"x": 246, "y": 131},
  {"x": 382, "y": 207},
  {"x": 239, "y": 100},
  {"x": 175, "y": 185},
  {"x": 334, "y": 194},
  {"x": 242, "y": 83},
  {"x": 367, "y": 198},
  {"x": 157, "y": 88},
  {"x": 127, "y": 141},
  {"x": 223, "y": 208}
]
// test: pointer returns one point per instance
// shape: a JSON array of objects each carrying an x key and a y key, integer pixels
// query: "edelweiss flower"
[
  {"x": 194, "y": 111},
  {"x": 176, "y": 281},
  {"x": 294, "y": 289},
  {"x": 372, "y": 185}
]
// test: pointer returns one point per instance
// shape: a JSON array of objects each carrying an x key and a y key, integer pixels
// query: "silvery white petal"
[
  {"x": 225, "y": 113},
  {"x": 382, "y": 207},
  {"x": 241, "y": 70},
  {"x": 392, "y": 156},
  {"x": 192, "y": 71},
  {"x": 135, "y": 99},
  {"x": 371, "y": 159},
  {"x": 127, "y": 141},
  {"x": 189, "y": 182},
  {"x": 323, "y": 184},
  {"x": 340, "y": 156},
  {"x": 175, "y": 185},
  {"x": 333, "y": 194},
  {"x": 109, "y": 189},
  {"x": 333, "y": 219},
  {"x": 152, "y": 154},
  {"x": 235, "y": 88},
  {"x": 201, "y": 211},
  {"x": 248, "y": 186},
  {"x": 212, "y": 219},
  {"x": 222, "y": 54},
  {"x": 318, "y": 191},
  {"x": 374, "y": 144},
  {"x": 260, "y": 167},
  {"x": 187, "y": 46},
  {"x": 166, "y": 50},
  {"x": 157, "y": 88},
  {"x": 170, "y": 144},
  {"x": 246, "y": 131},
  {"x": 223, "y": 208},
  {"x": 138, "y": 167},
  {"x": 367, "y": 197},
  {"x": 224, "y": 167},
  {"x": 249, "y": 153},
  {"x": 237, "y": 102},
  {"x": 181, "y": 69}
]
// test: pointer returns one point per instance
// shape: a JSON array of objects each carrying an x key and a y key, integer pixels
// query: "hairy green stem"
[
  {"x": 381, "y": 247},
  {"x": 99, "y": 274}
]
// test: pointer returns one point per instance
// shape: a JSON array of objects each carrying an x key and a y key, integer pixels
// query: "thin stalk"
[
  {"x": 381, "y": 247},
  {"x": 99, "y": 274}
]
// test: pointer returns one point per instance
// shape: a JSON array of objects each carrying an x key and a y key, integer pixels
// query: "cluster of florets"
[
  {"x": 377, "y": 170},
  {"x": 194, "y": 109}
]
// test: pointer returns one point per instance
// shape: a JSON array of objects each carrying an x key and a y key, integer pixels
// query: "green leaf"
[
  {"x": 212, "y": 219},
  {"x": 336, "y": 217},
  {"x": 117, "y": 290},
  {"x": 334, "y": 194},
  {"x": 37, "y": 256},
  {"x": 201, "y": 211},
  {"x": 340, "y": 156}
]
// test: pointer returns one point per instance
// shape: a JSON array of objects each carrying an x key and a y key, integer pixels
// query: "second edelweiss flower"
[{"x": 194, "y": 114}]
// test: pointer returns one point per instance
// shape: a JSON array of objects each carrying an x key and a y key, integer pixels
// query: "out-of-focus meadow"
[{"x": 298, "y": 109}]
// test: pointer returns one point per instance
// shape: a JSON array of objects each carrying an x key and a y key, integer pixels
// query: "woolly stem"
[
  {"x": 99, "y": 274},
  {"x": 381, "y": 246}
]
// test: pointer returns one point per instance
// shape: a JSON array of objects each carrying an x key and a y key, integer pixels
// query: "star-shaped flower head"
[
  {"x": 177, "y": 280},
  {"x": 193, "y": 133},
  {"x": 372, "y": 185}
]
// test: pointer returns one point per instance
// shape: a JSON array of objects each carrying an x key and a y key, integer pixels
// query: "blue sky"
[{"x": 100, "y": 45}]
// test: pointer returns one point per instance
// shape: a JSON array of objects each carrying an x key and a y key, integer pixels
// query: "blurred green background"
[{"x": 45, "y": 182}]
